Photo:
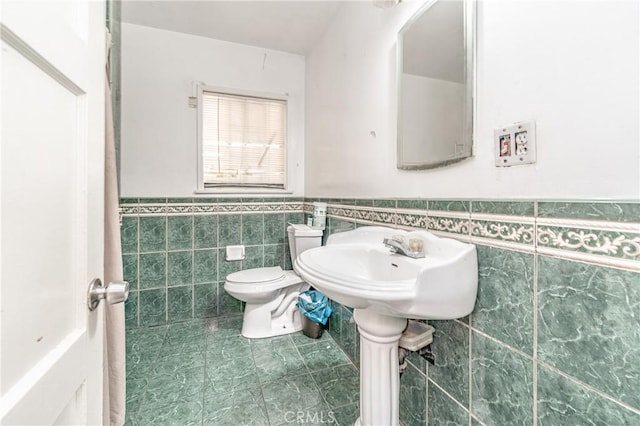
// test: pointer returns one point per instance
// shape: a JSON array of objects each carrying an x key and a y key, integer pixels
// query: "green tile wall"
[
  {"x": 173, "y": 252},
  {"x": 554, "y": 338},
  {"x": 555, "y": 335}
]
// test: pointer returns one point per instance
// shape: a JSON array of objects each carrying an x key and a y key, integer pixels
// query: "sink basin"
[{"x": 356, "y": 269}]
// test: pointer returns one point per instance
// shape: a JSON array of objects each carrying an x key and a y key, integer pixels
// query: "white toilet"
[{"x": 271, "y": 294}]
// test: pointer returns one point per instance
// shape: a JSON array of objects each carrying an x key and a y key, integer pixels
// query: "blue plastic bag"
[{"x": 315, "y": 306}]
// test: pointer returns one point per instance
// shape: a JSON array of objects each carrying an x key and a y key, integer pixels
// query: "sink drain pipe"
[{"x": 402, "y": 359}]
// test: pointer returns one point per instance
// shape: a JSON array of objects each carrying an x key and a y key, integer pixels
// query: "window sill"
[{"x": 242, "y": 191}]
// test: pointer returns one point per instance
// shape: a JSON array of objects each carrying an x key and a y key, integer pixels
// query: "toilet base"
[
  {"x": 280, "y": 316},
  {"x": 277, "y": 327}
]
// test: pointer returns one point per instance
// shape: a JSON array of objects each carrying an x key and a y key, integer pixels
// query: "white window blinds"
[{"x": 244, "y": 140}]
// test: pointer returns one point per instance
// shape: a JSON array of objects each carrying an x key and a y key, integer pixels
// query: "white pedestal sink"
[{"x": 385, "y": 289}]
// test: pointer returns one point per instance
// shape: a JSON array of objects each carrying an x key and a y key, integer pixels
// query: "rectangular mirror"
[{"x": 435, "y": 85}]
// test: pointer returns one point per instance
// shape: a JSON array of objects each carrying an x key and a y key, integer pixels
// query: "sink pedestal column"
[{"x": 379, "y": 376}]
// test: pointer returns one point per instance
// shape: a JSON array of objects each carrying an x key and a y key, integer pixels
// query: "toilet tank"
[{"x": 301, "y": 238}]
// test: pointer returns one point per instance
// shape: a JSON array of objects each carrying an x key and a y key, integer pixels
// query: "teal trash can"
[
  {"x": 315, "y": 309},
  {"x": 311, "y": 329}
]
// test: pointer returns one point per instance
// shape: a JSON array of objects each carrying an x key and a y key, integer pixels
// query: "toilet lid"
[{"x": 257, "y": 275}]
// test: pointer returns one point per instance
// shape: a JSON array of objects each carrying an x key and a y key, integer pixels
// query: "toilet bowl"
[{"x": 271, "y": 293}]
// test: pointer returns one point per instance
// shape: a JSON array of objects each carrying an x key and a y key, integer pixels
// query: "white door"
[{"x": 51, "y": 211}]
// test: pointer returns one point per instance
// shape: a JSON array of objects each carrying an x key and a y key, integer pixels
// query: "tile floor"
[{"x": 203, "y": 372}]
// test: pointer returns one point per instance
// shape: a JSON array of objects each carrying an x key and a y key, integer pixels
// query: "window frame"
[{"x": 235, "y": 189}]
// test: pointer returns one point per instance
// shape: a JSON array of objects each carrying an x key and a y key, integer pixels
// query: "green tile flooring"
[{"x": 203, "y": 372}]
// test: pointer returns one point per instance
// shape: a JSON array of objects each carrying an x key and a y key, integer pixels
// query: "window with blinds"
[{"x": 244, "y": 140}]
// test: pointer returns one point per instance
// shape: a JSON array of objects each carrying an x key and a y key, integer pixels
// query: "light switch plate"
[{"x": 515, "y": 144}]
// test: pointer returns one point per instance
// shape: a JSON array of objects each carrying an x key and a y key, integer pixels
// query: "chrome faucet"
[{"x": 400, "y": 246}]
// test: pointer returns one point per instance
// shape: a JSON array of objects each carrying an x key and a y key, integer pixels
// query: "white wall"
[
  {"x": 432, "y": 110},
  {"x": 159, "y": 145},
  {"x": 570, "y": 66}
]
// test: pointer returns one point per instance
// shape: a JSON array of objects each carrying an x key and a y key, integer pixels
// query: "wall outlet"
[{"x": 515, "y": 144}]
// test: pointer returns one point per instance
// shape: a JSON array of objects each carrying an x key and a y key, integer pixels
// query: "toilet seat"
[
  {"x": 260, "y": 280},
  {"x": 257, "y": 275}
]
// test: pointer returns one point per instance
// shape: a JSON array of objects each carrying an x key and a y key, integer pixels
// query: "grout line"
[
  {"x": 206, "y": 349},
  {"x": 470, "y": 365},
  {"x": 260, "y": 384},
  {"x": 426, "y": 391},
  {"x": 503, "y": 244},
  {"x": 356, "y": 340},
  {"x": 462, "y": 323},
  {"x": 309, "y": 372},
  {"x": 535, "y": 317},
  {"x": 470, "y": 206},
  {"x": 493, "y": 339},
  {"x": 138, "y": 270},
  {"x": 217, "y": 283},
  {"x": 591, "y": 259},
  {"x": 193, "y": 268},
  {"x": 416, "y": 367},
  {"x": 474, "y": 417},
  {"x": 449, "y": 395},
  {"x": 590, "y": 388},
  {"x": 166, "y": 267}
]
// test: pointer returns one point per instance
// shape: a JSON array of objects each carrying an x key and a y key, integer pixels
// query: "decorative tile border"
[
  {"x": 229, "y": 208},
  {"x": 152, "y": 209},
  {"x": 493, "y": 223},
  {"x": 180, "y": 208},
  {"x": 448, "y": 223},
  {"x": 614, "y": 244},
  {"x": 501, "y": 224},
  {"x": 595, "y": 241},
  {"x": 142, "y": 208},
  {"x": 385, "y": 216},
  {"x": 516, "y": 232},
  {"x": 411, "y": 218},
  {"x": 197, "y": 208}
]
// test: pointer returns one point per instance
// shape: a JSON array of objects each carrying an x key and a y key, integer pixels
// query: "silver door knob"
[{"x": 115, "y": 292}]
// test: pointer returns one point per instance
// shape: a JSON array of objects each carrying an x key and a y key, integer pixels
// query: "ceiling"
[{"x": 289, "y": 26}]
